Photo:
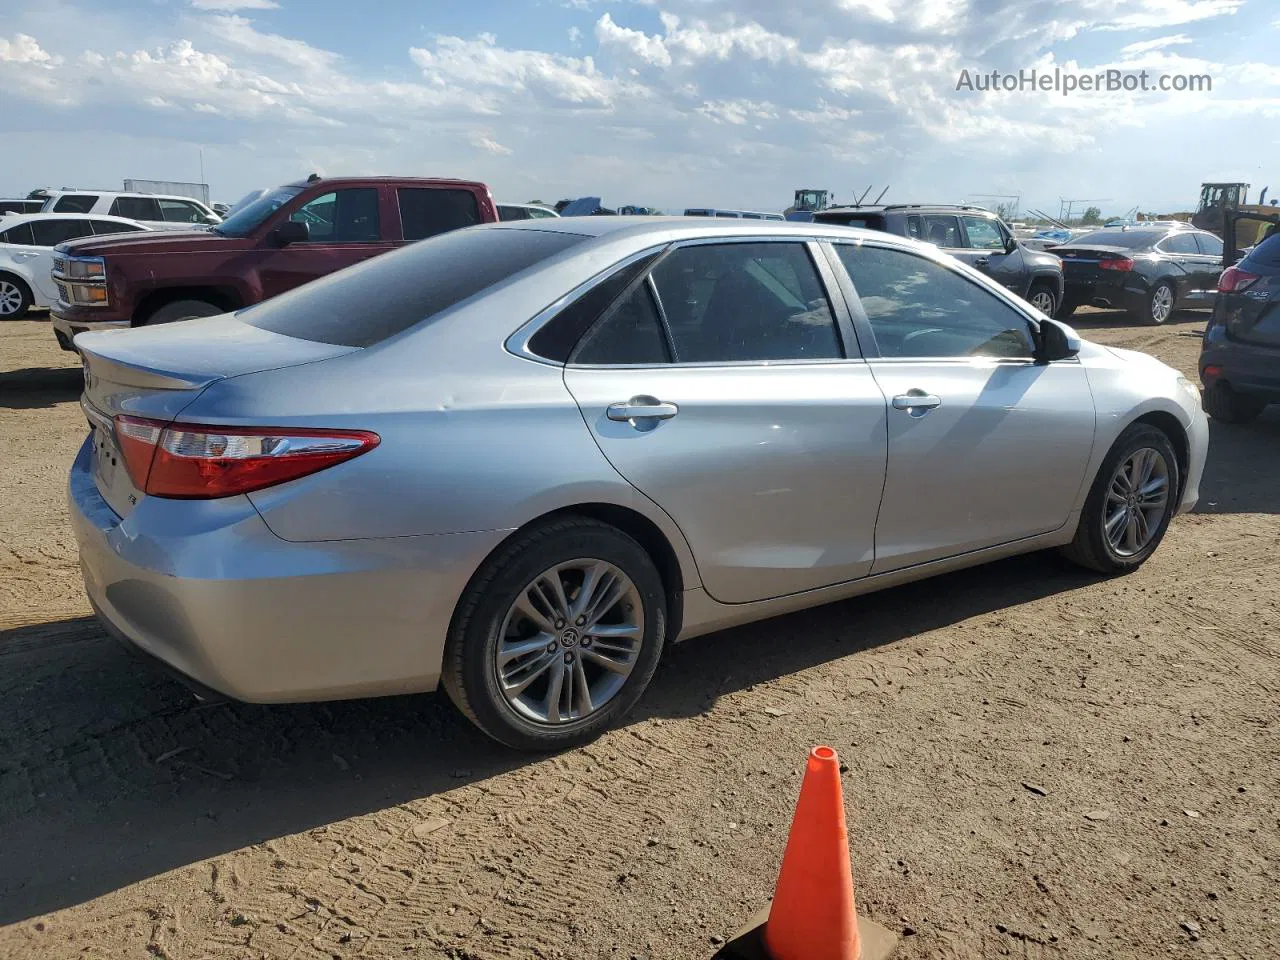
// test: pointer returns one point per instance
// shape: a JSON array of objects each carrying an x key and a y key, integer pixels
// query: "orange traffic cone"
[{"x": 813, "y": 915}]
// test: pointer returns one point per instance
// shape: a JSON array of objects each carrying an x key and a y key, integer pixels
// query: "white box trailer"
[{"x": 175, "y": 188}]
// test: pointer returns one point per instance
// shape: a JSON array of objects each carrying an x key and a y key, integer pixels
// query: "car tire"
[
  {"x": 1226, "y": 405},
  {"x": 183, "y": 310},
  {"x": 1043, "y": 297},
  {"x": 511, "y": 699},
  {"x": 1095, "y": 545},
  {"x": 15, "y": 297},
  {"x": 1160, "y": 303}
]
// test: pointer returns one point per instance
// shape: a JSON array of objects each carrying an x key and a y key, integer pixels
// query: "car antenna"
[
  {"x": 313, "y": 178},
  {"x": 881, "y": 197}
]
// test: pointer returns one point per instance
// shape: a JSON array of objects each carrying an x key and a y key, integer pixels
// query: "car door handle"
[
  {"x": 982, "y": 261},
  {"x": 641, "y": 408},
  {"x": 24, "y": 255},
  {"x": 917, "y": 403}
]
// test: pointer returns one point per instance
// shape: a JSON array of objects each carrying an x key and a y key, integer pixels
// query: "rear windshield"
[
  {"x": 1132, "y": 239},
  {"x": 1266, "y": 254},
  {"x": 866, "y": 221},
  {"x": 374, "y": 300}
]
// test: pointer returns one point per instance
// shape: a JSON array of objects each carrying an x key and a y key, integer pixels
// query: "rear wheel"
[
  {"x": 1130, "y": 504},
  {"x": 1159, "y": 303},
  {"x": 15, "y": 297},
  {"x": 1043, "y": 298},
  {"x": 557, "y": 636},
  {"x": 1229, "y": 406},
  {"x": 183, "y": 310}
]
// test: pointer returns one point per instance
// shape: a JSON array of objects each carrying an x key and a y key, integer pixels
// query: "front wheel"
[
  {"x": 557, "y": 636},
  {"x": 1043, "y": 298},
  {"x": 1130, "y": 504},
  {"x": 15, "y": 298}
]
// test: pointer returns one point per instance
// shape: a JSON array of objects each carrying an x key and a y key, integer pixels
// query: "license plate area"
[{"x": 106, "y": 458}]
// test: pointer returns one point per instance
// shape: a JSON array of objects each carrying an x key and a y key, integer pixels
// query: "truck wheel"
[
  {"x": 1227, "y": 406},
  {"x": 1043, "y": 298},
  {"x": 15, "y": 297},
  {"x": 183, "y": 310}
]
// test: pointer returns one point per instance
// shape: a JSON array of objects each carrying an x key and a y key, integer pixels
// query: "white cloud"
[
  {"x": 1145, "y": 46},
  {"x": 239, "y": 32},
  {"x": 651, "y": 50},
  {"x": 1151, "y": 14},
  {"x": 484, "y": 141},
  {"x": 25, "y": 49},
  {"x": 227, "y": 6}
]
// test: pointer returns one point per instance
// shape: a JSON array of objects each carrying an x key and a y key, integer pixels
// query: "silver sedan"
[{"x": 518, "y": 460}]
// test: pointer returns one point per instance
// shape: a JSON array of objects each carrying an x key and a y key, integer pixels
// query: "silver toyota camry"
[{"x": 517, "y": 460}]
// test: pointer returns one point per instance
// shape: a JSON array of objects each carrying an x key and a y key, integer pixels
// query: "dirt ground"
[{"x": 1144, "y": 712}]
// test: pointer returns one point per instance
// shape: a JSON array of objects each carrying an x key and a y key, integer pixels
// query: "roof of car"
[
  {"x": 682, "y": 227},
  {"x": 342, "y": 181},
  {"x": 51, "y": 194},
  {"x": 882, "y": 208}
]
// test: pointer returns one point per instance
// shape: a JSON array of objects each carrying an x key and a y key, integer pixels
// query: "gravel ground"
[{"x": 1041, "y": 763}]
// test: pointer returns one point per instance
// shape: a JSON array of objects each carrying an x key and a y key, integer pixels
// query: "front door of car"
[
  {"x": 721, "y": 387},
  {"x": 989, "y": 249},
  {"x": 986, "y": 446},
  {"x": 345, "y": 227}
]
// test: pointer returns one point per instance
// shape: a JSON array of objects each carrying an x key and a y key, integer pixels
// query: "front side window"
[
  {"x": 506, "y": 212},
  {"x": 50, "y": 233},
  {"x": 914, "y": 230},
  {"x": 425, "y": 212},
  {"x": 983, "y": 234},
  {"x": 180, "y": 211},
  {"x": 75, "y": 203},
  {"x": 343, "y": 216},
  {"x": 942, "y": 231},
  {"x": 734, "y": 302},
  {"x": 135, "y": 208},
  {"x": 919, "y": 308}
]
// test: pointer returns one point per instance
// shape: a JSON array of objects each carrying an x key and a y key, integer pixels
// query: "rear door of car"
[
  {"x": 1183, "y": 265},
  {"x": 428, "y": 211},
  {"x": 986, "y": 446},
  {"x": 1209, "y": 266},
  {"x": 347, "y": 225},
  {"x": 726, "y": 385}
]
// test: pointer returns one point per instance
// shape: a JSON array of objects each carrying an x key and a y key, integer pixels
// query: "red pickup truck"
[{"x": 279, "y": 240}]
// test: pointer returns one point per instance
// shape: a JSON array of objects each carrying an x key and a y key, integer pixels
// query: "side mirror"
[
  {"x": 1010, "y": 244},
  {"x": 292, "y": 231},
  {"x": 210, "y": 221},
  {"x": 1056, "y": 341}
]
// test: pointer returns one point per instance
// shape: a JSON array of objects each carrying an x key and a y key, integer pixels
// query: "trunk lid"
[
  {"x": 1080, "y": 264},
  {"x": 155, "y": 372}
]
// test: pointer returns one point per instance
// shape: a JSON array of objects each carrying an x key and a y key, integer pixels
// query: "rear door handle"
[
  {"x": 917, "y": 403},
  {"x": 982, "y": 261},
  {"x": 641, "y": 408}
]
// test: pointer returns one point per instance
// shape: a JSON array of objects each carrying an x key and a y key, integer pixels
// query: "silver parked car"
[{"x": 519, "y": 459}]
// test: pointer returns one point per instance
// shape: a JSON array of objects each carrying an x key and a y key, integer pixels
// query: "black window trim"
[
  {"x": 846, "y": 338},
  {"x": 866, "y": 333}
]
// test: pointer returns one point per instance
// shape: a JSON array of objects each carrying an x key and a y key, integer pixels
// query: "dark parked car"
[
  {"x": 1240, "y": 356},
  {"x": 1148, "y": 272},
  {"x": 972, "y": 234},
  {"x": 283, "y": 238}
]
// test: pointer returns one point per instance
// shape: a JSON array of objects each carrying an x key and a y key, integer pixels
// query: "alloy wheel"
[
  {"x": 569, "y": 641},
  {"x": 1137, "y": 500},
  {"x": 1042, "y": 300},
  {"x": 10, "y": 298},
  {"x": 1161, "y": 303}
]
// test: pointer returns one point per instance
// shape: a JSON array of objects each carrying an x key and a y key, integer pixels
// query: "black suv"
[{"x": 972, "y": 234}]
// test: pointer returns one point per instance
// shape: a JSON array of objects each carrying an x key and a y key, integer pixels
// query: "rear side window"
[
  {"x": 75, "y": 203},
  {"x": 507, "y": 212},
  {"x": 179, "y": 211},
  {"x": 101, "y": 227},
  {"x": 377, "y": 299},
  {"x": 1209, "y": 244},
  {"x": 50, "y": 233},
  {"x": 19, "y": 234},
  {"x": 631, "y": 332},
  {"x": 425, "y": 212},
  {"x": 135, "y": 208},
  {"x": 557, "y": 338}
]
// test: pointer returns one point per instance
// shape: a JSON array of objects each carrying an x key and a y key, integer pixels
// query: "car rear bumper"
[
  {"x": 1248, "y": 368},
  {"x": 206, "y": 588},
  {"x": 1131, "y": 296}
]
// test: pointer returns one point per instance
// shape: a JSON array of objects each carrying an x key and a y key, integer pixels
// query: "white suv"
[
  {"x": 26, "y": 254},
  {"x": 158, "y": 211}
]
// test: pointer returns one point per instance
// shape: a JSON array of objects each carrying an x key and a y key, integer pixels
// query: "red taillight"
[
  {"x": 1123, "y": 264},
  {"x": 193, "y": 461},
  {"x": 1234, "y": 280}
]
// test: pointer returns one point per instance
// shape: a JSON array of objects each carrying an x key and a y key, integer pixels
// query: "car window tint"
[
  {"x": 629, "y": 332},
  {"x": 1209, "y": 244},
  {"x": 508, "y": 212},
  {"x": 942, "y": 231},
  {"x": 75, "y": 203},
  {"x": 101, "y": 227},
  {"x": 745, "y": 301},
  {"x": 19, "y": 234},
  {"x": 367, "y": 303},
  {"x": 983, "y": 233},
  {"x": 919, "y": 308},
  {"x": 914, "y": 230},
  {"x": 1180, "y": 243},
  {"x": 50, "y": 233},
  {"x": 135, "y": 208},
  {"x": 425, "y": 212},
  {"x": 559, "y": 335},
  {"x": 180, "y": 211},
  {"x": 342, "y": 216}
]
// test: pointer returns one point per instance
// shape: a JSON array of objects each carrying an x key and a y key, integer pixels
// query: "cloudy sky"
[{"x": 669, "y": 103}]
